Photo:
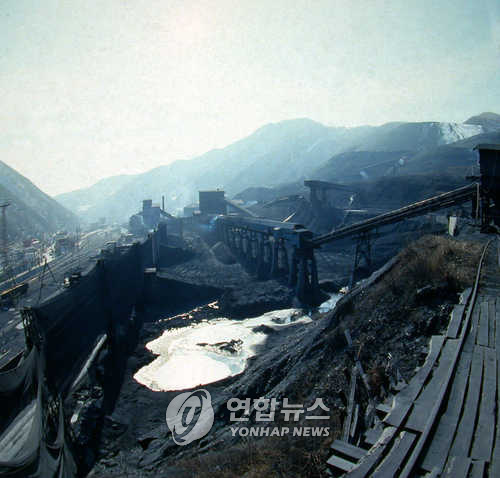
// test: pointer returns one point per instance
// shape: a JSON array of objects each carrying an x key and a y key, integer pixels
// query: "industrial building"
[
  {"x": 212, "y": 202},
  {"x": 149, "y": 218}
]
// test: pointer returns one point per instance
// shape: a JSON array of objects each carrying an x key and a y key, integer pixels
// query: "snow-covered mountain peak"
[{"x": 451, "y": 132}]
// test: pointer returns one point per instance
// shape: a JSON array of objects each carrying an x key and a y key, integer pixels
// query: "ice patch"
[
  {"x": 210, "y": 351},
  {"x": 192, "y": 356},
  {"x": 330, "y": 303}
]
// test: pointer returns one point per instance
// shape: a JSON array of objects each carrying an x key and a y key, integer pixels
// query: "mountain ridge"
[
  {"x": 31, "y": 212},
  {"x": 488, "y": 120},
  {"x": 276, "y": 153}
]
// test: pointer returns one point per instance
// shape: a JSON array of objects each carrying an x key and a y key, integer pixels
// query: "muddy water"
[{"x": 212, "y": 350}]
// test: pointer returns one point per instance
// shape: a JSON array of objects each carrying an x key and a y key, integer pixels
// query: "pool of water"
[{"x": 209, "y": 351}]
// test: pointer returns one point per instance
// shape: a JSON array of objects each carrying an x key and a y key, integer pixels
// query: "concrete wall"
[{"x": 101, "y": 302}]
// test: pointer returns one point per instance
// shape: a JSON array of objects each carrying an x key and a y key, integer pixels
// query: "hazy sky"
[{"x": 91, "y": 89}]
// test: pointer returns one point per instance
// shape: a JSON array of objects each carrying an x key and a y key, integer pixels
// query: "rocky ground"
[{"x": 390, "y": 322}]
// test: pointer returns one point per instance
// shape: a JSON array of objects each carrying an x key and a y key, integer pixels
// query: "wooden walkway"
[{"x": 446, "y": 421}]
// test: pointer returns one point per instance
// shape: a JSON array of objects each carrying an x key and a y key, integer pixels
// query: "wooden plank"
[
  {"x": 354, "y": 423},
  {"x": 485, "y": 428},
  {"x": 428, "y": 395},
  {"x": 437, "y": 453},
  {"x": 492, "y": 319},
  {"x": 420, "y": 411},
  {"x": 383, "y": 408},
  {"x": 394, "y": 459},
  {"x": 340, "y": 464},
  {"x": 497, "y": 327},
  {"x": 494, "y": 468},
  {"x": 495, "y": 459},
  {"x": 374, "y": 455},
  {"x": 404, "y": 399},
  {"x": 462, "y": 442},
  {"x": 482, "y": 333},
  {"x": 350, "y": 409},
  {"x": 418, "y": 417},
  {"x": 400, "y": 410},
  {"x": 408, "y": 470},
  {"x": 469, "y": 343},
  {"x": 346, "y": 449},
  {"x": 478, "y": 469},
  {"x": 458, "y": 467},
  {"x": 475, "y": 322},
  {"x": 372, "y": 435},
  {"x": 455, "y": 321},
  {"x": 413, "y": 389},
  {"x": 459, "y": 385}
]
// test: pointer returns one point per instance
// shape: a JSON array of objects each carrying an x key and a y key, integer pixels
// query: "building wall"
[{"x": 212, "y": 202}]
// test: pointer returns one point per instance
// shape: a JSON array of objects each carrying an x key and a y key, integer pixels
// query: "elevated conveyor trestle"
[
  {"x": 363, "y": 251},
  {"x": 457, "y": 196},
  {"x": 273, "y": 249}
]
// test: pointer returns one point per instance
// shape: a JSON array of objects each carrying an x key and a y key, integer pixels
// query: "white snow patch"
[{"x": 451, "y": 132}]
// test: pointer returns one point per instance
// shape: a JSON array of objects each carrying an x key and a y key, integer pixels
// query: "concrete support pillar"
[
  {"x": 284, "y": 260},
  {"x": 302, "y": 286},
  {"x": 252, "y": 252},
  {"x": 238, "y": 242},
  {"x": 244, "y": 247},
  {"x": 362, "y": 250},
  {"x": 244, "y": 244},
  {"x": 148, "y": 279},
  {"x": 262, "y": 265},
  {"x": 234, "y": 238},
  {"x": 274, "y": 259},
  {"x": 292, "y": 268}
]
